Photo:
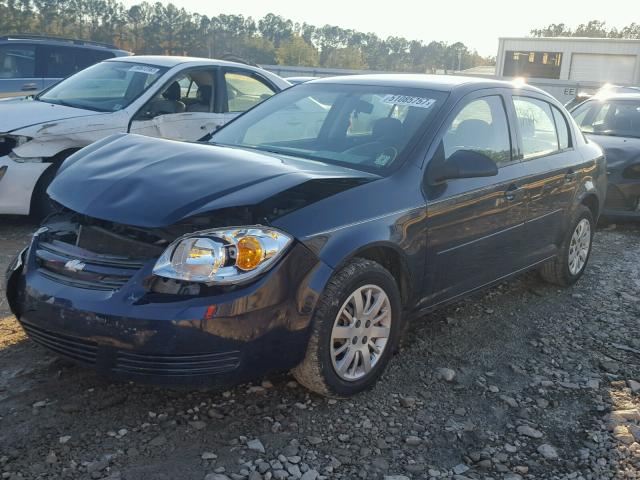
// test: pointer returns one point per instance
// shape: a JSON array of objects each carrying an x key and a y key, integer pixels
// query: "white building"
[{"x": 565, "y": 65}]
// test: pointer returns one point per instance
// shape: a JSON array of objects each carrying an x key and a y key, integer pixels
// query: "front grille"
[
  {"x": 177, "y": 365},
  {"x": 65, "y": 345},
  {"x": 75, "y": 266}
]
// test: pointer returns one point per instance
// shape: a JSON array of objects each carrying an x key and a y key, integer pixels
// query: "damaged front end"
[{"x": 86, "y": 289}]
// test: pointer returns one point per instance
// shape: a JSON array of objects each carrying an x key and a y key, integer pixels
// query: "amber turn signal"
[{"x": 249, "y": 253}]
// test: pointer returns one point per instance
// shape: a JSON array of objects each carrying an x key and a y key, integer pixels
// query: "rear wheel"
[
  {"x": 569, "y": 265},
  {"x": 355, "y": 330}
]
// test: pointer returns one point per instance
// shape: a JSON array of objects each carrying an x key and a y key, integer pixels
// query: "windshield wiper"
[{"x": 71, "y": 105}]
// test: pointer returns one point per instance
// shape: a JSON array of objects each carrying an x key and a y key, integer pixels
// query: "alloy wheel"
[
  {"x": 360, "y": 332},
  {"x": 579, "y": 246}
]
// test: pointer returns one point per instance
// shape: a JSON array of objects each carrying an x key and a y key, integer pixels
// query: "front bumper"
[
  {"x": 173, "y": 340},
  {"x": 17, "y": 182}
]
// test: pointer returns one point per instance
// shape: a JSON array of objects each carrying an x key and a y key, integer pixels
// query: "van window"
[
  {"x": 480, "y": 126},
  {"x": 60, "y": 62},
  {"x": 17, "y": 61}
]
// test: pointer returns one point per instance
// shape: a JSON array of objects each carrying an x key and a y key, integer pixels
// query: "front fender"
[
  {"x": 18, "y": 183},
  {"x": 403, "y": 232},
  {"x": 12, "y": 278}
]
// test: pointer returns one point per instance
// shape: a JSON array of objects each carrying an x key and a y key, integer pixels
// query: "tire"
[
  {"x": 319, "y": 371},
  {"x": 558, "y": 271},
  {"x": 41, "y": 205}
]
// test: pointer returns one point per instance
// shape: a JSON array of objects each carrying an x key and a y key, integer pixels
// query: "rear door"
[
  {"x": 20, "y": 73},
  {"x": 476, "y": 224},
  {"x": 552, "y": 172}
]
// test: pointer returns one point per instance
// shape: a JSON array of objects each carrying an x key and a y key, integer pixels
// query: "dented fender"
[{"x": 51, "y": 138}]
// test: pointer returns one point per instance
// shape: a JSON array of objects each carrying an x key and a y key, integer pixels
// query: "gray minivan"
[{"x": 30, "y": 63}]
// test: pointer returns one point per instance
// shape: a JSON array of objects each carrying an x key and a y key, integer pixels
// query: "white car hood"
[{"x": 21, "y": 113}]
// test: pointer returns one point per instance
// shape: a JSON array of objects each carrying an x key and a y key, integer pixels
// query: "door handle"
[
  {"x": 570, "y": 176},
  {"x": 29, "y": 86},
  {"x": 513, "y": 192}
]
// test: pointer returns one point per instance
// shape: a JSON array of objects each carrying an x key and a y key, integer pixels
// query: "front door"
[
  {"x": 20, "y": 74},
  {"x": 475, "y": 225},
  {"x": 183, "y": 109}
]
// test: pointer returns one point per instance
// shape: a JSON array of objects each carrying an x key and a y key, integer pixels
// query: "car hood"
[
  {"x": 620, "y": 152},
  {"x": 148, "y": 182},
  {"x": 18, "y": 113}
]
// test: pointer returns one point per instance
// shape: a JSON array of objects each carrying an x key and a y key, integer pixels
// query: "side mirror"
[{"x": 463, "y": 164}]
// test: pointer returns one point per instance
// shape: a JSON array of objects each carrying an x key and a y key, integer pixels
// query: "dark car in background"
[
  {"x": 613, "y": 121},
  {"x": 30, "y": 63},
  {"x": 306, "y": 242}
]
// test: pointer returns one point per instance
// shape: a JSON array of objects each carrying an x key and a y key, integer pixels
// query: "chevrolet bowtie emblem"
[{"x": 74, "y": 265}]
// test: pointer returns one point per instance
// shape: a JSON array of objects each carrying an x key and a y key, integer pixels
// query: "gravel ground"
[{"x": 523, "y": 381}]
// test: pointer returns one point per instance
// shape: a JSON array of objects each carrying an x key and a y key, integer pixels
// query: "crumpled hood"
[
  {"x": 18, "y": 113},
  {"x": 148, "y": 182},
  {"x": 620, "y": 152}
]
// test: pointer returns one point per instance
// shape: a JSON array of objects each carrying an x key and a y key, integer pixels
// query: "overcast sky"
[{"x": 477, "y": 23}]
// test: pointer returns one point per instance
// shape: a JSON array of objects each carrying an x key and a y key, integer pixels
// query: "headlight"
[
  {"x": 222, "y": 256},
  {"x": 9, "y": 142}
]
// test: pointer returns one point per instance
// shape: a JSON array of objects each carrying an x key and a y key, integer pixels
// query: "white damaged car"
[{"x": 171, "y": 97}]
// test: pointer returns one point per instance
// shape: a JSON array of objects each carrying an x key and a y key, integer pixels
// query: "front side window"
[
  {"x": 481, "y": 126},
  {"x": 537, "y": 127},
  {"x": 245, "y": 91},
  {"x": 17, "y": 61},
  {"x": 191, "y": 91},
  {"x": 618, "y": 118},
  {"x": 364, "y": 127},
  {"x": 104, "y": 87}
]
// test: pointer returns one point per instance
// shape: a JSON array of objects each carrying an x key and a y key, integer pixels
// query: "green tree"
[
  {"x": 297, "y": 52},
  {"x": 347, "y": 57}
]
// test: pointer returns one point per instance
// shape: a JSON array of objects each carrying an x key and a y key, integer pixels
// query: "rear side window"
[
  {"x": 537, "y": 127},
  {"x": 244, "y": 91},
  {"x": 17, "y": 61},
  {"x": 480, "y": 126},
  {"x": 563, "y": 129}
]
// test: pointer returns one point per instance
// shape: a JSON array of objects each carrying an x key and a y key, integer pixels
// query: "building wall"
[{"x": 569, "y": 46}]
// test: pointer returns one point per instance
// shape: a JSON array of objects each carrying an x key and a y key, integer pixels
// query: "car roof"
[
  {"x": 445, "y": 83},
  {"x": 172, "y": 61},
  {"x": 616, "y": 96},
  {"x": 59, "y": 41}
]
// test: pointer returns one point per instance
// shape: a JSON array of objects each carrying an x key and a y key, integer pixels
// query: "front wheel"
[
  {"x": 41, "y": 205},
  {"x": 355, "y": 330},
  {"x": 569, "y": 265}
]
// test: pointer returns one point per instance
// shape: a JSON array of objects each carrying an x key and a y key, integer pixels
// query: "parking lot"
[{"x": 536, "y": 385}]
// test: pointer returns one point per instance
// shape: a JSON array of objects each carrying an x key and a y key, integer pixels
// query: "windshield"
[
  {"x": 104, "y": 87},
  {"x": 363, "y": 127},
  {"x": 619, "y": 118}
]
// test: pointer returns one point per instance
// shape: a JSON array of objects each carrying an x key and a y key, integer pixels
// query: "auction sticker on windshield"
[
  {"x": 144, "y": 69},
  {"x": 420, "y": 102}
]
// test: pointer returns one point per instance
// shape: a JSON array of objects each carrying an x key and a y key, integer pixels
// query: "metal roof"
[
  {"x": 172, "y": 61},
  {"x": 433, "y": 82}
]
